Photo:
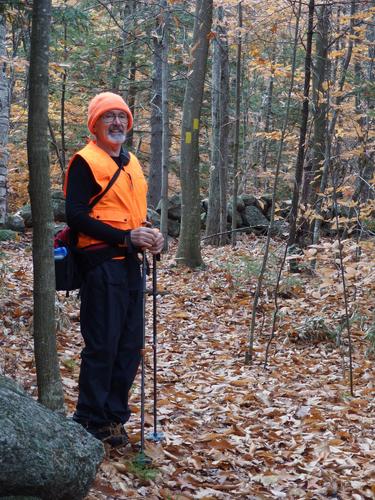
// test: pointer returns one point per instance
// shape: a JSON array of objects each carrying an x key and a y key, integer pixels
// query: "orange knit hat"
[{"x": 103, "y": 102}]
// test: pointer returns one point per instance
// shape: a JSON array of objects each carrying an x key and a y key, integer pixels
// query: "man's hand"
[
  {"x": 143, "y": 237},
  {"x": 158, "y": 242}
]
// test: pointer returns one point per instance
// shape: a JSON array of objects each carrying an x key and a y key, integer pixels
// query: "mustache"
[{"x": 117, "y": 128}]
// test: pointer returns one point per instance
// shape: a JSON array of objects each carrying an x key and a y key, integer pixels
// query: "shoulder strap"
[{"x": 108, "y": 187}]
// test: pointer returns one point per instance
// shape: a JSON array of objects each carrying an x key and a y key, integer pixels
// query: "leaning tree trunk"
[
  {"x": 189, "y": 252},
  {"x": 48, "y": 376},
  {"x": 303, "y": 129},
  {"x": 4, "y": 124}
]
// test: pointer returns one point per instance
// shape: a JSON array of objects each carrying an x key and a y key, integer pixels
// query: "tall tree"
[
  {"x": 303, "y": 128},
  {"x": 132, "y": 86},
  {"x": 165, "y": 124},
  {"x": 189, "y": 252},
  {"x": 4, "y": 123},
  {"x": 313, "y": 170},
  {"x": 237, "y": 128},
  {"x": 50, "y": 391},
  {"x": 156, "y": 119},
  {"x": 217, "y": 196}
]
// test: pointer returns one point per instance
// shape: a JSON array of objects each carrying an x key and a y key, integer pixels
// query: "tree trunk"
[
  {"x": 217, "y": 199},
  {"x": 132, "y": 89},
  {"x": 48, "y": 376},
  {"x": 189, "y": 252},
  {"x": 237, "y": 130},
  {"x": 267, "y": 123},
  {"x": 165, "y": 124},
  {"x": 4, "y": 125},
  {"x": 154, "y": 178},
  {"x": 120, "y": 49},
  {"x": 62, "y": 104},
  {"x": 320, "y": 105},
  {"x": 132, "y": 92},
  {"x": 332, "y": 127},
  {"x": 303, "y": 129},
  {"x": 314, "y": 169}
]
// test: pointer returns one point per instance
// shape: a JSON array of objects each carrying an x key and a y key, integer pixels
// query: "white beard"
[{"x": 117, "y": 137}]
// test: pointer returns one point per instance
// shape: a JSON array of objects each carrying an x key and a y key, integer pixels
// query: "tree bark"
[
  {"x": 165, "y": 125},
  {"x": 267, "y": 123},
  {"x": 4, "y": 124},
  {"x": 189, "y": 252},
  {"x": 132, "y": 88},
  {"x": 303, "y": 129},
  {"x": 217, "y": 199},
  {"x": 154, "y": 178},
  {"x": 237, "y": 130},
  {"x": 48, "y": 376},
  {"x": 313, "y": 170},
  {"x": 332, "y": 127}
]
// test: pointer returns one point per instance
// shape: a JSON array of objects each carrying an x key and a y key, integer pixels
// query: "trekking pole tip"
[
  {"x": 155, "y": 436},
  {"x": 142, "y": 460}
]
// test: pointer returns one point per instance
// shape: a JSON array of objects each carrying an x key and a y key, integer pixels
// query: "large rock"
[
  {"x": 153, "y": 217},
  {"x": 249, "y": 200},
  {"x": 238, "y": 217},
  {"x": 58, "y": 205},
  {"x": 43, "y": 454},
  {"x": 173, "y": 228},
  {"x": 25, "y": 213},
  {"x": 15, "y": 223},
  {"x": 253, "y": 217},
  {"x": 174, "y": 207},
  {"x": 7, "y": 234},
  {"x": 240, "y": 205}
]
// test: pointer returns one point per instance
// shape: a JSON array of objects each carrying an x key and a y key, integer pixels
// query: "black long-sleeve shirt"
[{"x": 80, "y": 190}]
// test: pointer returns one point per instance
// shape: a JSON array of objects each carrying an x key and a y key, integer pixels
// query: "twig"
[
  {"x": 345, "y": 291},
  {"x": 276, "y": 311}
]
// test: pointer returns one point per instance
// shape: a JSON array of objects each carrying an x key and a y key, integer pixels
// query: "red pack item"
[
  {"x": 68, "y": 274},
  {"x": 62, "y": 238}
]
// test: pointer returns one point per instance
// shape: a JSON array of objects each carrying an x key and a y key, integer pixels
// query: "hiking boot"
[{"x": 113, "y": 434}]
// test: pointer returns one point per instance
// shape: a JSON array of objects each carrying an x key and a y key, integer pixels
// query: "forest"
[{"x": 254, "y": 125}]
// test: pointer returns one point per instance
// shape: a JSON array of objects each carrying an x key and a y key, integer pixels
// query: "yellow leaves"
[
  {"x": 335, "y": 54},
  {"x": 181, "y": 315},
  {"x": 275, "y": 135}
]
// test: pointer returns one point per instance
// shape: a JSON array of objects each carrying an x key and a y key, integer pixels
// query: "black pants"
[{"x": 112, "y": 328}]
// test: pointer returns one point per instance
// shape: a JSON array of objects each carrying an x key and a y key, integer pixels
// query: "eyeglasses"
[{"x": 111, "y": 117}]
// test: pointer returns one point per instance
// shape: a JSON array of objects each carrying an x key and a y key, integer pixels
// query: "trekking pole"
[
  {"x": 142, "y": 459},
  {"x": 155, "y": 436}
]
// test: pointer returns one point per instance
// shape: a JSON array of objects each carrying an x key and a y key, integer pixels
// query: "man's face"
[{"x": 111, "y": 127}]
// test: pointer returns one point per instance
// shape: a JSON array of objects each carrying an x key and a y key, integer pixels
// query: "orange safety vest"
[{"x": 124, "y": 206}]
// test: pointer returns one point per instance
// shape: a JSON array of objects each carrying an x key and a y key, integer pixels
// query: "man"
[{"x": 109, "y": 236}]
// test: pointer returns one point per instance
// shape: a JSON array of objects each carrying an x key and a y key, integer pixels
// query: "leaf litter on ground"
[{"x": 231, "y": 430}]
